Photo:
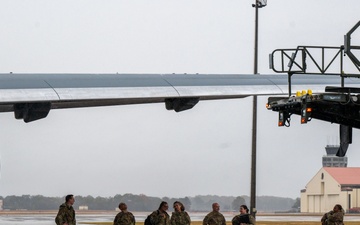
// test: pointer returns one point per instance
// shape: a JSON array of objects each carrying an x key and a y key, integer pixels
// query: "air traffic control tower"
[{"x": 331, "y": 160}]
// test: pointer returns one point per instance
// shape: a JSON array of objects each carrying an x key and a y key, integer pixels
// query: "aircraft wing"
[{"x": 31, "y": 96}]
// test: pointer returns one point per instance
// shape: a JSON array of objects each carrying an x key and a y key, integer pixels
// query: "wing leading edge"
[{"x": 32, "y": 96}]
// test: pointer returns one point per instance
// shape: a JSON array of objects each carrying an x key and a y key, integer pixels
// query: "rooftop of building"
[{"x": 345, "y": 175}]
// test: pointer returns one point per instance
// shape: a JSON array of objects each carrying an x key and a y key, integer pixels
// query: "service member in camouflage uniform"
[
  {"x": 334, "y": 217},
  {"x": 244, "y": 217},
  {"x": 160, "y": 216},
  {"x": 214, "y": 217},
  {"x": 66, "y": 214},
  {"x": 124, "y": 217},
  {"x": 180, "y": 216}
]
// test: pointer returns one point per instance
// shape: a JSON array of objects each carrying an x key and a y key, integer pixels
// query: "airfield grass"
[{"x": 257, "y": 223}]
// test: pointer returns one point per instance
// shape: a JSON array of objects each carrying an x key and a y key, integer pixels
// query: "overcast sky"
[{"x": 144, "y": 148}]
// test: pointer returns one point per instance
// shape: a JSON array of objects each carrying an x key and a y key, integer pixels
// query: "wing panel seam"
[
  {"x": 276, "y": 86},
  {"x": 170, "y": 85},
  {"x": 53, "y": 89}
]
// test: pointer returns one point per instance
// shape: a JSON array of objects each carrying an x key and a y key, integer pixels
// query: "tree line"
[{"x": 143, "y": 203}]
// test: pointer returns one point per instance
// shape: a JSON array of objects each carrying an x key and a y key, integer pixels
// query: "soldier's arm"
[
  {"x": 154, "y": 217},
  {"x": 205, "y": 221},
  {"x": 74, "y": 218},
  {"x": 167, "y": 218},
  {"x": 223, "y": 220},
  {"x": 331, "y": 217},
  {"x": 60, "y": 219},
  {"x": 116, "y": 220},
  {"x": 235, "y": 221},
  {"x": 60, "y": 216},
  {"x": 324, "y": 217},
  {"x": 188, "y": 218},
  {"x": 172, "y": 219},
  {"x": 336, "y": 217},
  {"x": 133, "y": 218}
]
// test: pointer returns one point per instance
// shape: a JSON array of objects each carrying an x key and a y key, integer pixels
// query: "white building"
[{"x": 330, "y": 186}]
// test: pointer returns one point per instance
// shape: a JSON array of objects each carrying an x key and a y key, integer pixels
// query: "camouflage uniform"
[
  {"x": 180, "y": 218},
  {"x": 66, "y": 214},
  {"x": 124, "y": 218},
  {"x": 214, "y": 218},
  {"x": 333, "y": 218},
  {"x": 236, "y": 220},
  {"x": 159, "y": 218}
]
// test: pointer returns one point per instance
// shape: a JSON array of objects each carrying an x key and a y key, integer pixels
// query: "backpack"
[{"x": 147, "y": 221}]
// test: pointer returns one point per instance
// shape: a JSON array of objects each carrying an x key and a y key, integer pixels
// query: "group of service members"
[
  {"x": 181, "y": 217},
  {"x": 66, "y": 215}
]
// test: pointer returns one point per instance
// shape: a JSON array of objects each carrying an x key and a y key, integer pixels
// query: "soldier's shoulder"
[
  {"x": 62, "y": 206},
  {"x": 119, "y": 214},
  {"x": 178, "y": 213},
  {"x": 219, "y": 214},
  {"x": 213, "y": 213},
  {"x": 155, "y": 213},
  {"x": 339, "y": 214},
  {"x": 236, "y": 217}
]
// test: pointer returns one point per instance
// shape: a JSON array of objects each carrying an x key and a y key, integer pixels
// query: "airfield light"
[{"x": 260, "y": 3}]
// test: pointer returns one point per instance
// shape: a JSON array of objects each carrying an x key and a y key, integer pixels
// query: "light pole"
[{"x": 258, "y": 4}]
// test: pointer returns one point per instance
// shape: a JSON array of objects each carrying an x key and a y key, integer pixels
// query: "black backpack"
[{"x": 148, "y": 219}]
